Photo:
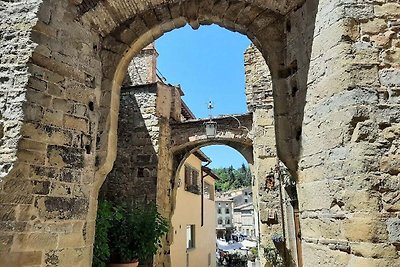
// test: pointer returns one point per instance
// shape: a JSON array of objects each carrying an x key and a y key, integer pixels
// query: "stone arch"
[
  {"x": 230, "y": 129},
  {"x": 181, "y": 154},
  {"x": 322, "y": 51},
  {"x": 123, "y": 42},
  {"x": 82, "y": 54}
]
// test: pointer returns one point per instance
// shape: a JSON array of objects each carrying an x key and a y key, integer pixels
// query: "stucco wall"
[{"x": 188, "y": 211}]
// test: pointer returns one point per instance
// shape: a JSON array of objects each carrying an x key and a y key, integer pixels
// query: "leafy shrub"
[
  {"x": 101, "y": 250},
  {"x": 273, "y": 257},
  {"x": 127, "y": 233}
]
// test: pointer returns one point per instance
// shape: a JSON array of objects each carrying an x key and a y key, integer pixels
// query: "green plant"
[
  {"x": 272, "y": 255},
  {"x": 132, "y": 232},
  {"x": 101, "y": 250},
  {"x": 253, "y": 253}
]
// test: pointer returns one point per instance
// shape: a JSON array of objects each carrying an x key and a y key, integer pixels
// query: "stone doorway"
[{"x": 336, "y": 117}]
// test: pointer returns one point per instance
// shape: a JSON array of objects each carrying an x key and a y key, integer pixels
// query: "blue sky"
[{"x": 208, "y": 64}]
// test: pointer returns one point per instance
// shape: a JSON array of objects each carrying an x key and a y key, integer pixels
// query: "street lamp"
[{"x": 211, "y": 128}]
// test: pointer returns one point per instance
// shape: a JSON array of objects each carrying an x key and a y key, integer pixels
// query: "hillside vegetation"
[{"x": 231, "y": 178}]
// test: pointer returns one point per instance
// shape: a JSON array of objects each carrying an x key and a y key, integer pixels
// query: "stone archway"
[{"x": 62, "y": 66}]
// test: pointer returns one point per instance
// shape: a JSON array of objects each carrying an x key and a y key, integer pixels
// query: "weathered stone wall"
[
  {"x": 143, "y": 167},
  {"x": 340, "y": 56},
  {"x": 49, "y": 199},
  {"x": 16, "y": 50},
  {"x": 266, "y": 186},
  {"x": 348, "y": 172},
  {"x": 134, "y": 174},
  {"x": 258, "y": 80},
  {"x": 142, "y": 68},
  {"x": 49, "y": 110}
]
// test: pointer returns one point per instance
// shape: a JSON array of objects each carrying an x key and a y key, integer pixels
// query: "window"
[
  {"x": 192, "y": 180},
  {"x": 219, "y": 210},
  {"x": 246, "y": 200},
  {"x": 227, "y": 210},
  {"x": 219, "y": 221},
  {"x": 228, "y": 221},
  {"x": 208, "y": 191},
  {"x": 189, "y": 236}
]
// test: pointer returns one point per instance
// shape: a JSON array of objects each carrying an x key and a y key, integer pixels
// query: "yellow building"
[{"x": 193, "y": 221}]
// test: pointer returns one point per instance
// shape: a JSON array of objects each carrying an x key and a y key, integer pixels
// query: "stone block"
[
  {"x": 29, "y": 144},
  {"x": 7, "y": 213},
  {"x": 47, "y": 133},
  {"x": 389, "y": 77},
  {"x": 15, "y": 199},
  {"x": 392, "y": 56},
  {"x": 34, "y": 241},
  {"x": 60, "y": 156},
  {"x": 34, "y": 157},
  {"x": 320, "y": 255},
  {"x": 53, "y": 117},
  {"x": 317, "y": 228},
  {"x": 316, "y": 195},
  {"x": 77, "y": 257},
  {"x": 23, "y": 186},
  {"x": 54, "y": 89},
  {"x": 61, "y": 189},
  {"x": 390, "y": 164},
  {"x": 76, "y": 123},
  {"x": 362, "y": 200},
  {"x": 71, "y": 240},
  {"x": 393, "y": 228},
  {"x": 62, "y": 105},
  {"x": 371, "y": 262},
  {"x": 80, "y": 110},
  {"x": 359, "y": 11},
  {"x": 37, "y": 84},
  {"x": 26, "y": 213},
  {"x": 33, "y": 112},
  {"x": 374, "y": 250},
  {"x": 30, "y": 258},
  {"x": 373, "y": 26},
  {"x": 62, "y": 208},
  {"x": 388, "y": 10},
  {"x": 381, "y": 40},
  {"x": 5, "y": 243},
  {"x": 365, "y": 53},
  {"x": 367, "y": 228},
  {"x": 39, "y": 98},
  {"x": 53, "y": 228}
]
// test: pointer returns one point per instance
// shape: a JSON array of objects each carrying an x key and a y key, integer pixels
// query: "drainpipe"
[{"x": 278, "y": 171}]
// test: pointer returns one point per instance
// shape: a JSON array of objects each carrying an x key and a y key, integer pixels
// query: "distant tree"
[{"x": 231, "y": 178}]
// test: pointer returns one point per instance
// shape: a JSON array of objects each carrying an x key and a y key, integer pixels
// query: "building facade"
[
  {"x": 193, "y": 221},
  {"x": 224, "y": 211},
  {"x": 244, "y": 218},
  {"x": 244, "y": 221}
]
